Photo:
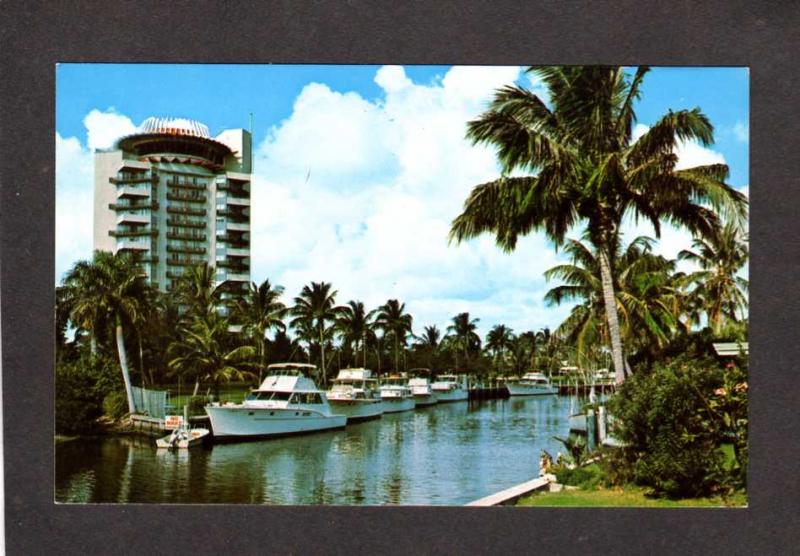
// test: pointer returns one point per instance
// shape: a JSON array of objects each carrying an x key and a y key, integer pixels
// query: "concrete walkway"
[{"x": 511, "y": 495}]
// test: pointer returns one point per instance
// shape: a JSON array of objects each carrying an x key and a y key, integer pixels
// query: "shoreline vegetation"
[{"x": 579, "y": 176}]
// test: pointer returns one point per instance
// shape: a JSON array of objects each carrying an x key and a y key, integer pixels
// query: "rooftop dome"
[{"x": 174, "y": 126}]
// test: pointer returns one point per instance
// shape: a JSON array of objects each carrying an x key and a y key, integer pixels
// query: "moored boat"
[
  {"x": 286, "y": 403},
  {"x": 355, "y": 394},
  {"x": 420, "y": 386},
  {"x": 450, "y": 388},
  {"x": 395, "y": 395},
  {"x": 182, "y": 437},
  {"x": 531, "y": 384}
]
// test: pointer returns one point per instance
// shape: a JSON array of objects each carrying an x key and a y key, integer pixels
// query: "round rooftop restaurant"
[{"x": 161, "y": 139}]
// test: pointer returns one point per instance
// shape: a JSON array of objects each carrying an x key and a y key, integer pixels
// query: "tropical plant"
[
  {"x": 392, "y": 318},
  {"x": 499, "y": 341},
  {"x": 201, "y": 353},
  {"x": 588, "y": 169},
  {"x": 644, "y": 290},
  {"x": 111, "y": 289},
  {"x": 355, "y": 326},
  {"x": 197, "y": 293},
  {"x": 721, "y": 292},
  {"x": 463, "y": 334},
  {"x": 260, "y": 311},
  {"x": 314, "y": 311}
]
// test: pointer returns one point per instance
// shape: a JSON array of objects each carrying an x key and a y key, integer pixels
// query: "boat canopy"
[{"x": 291, "y": 369}]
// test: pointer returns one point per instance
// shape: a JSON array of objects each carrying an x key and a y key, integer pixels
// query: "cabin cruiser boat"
[
  {"x": 287, "y": 402},
  {"x": 395, "y": 395},
  {"x": 531, "y": 384},
  {"x": 355, "y": 393},
  {"x": 420, "y": 386},
  {"x": 450, "y": 388}
]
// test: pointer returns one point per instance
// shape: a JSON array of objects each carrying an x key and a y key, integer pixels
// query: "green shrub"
[
  {"x": 115, "y": 404},
  {"x": 196, "y": 404},
  {"x": 588, "y": 477},
  {"x": 672, "y": 438},
  {"x": 81, "y": 388}
]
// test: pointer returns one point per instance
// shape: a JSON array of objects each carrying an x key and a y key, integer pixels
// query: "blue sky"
[{"x": 359, "y": 170}]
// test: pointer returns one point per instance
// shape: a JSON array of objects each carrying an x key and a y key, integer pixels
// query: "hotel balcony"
[
  {"x": 238, "y": 227},
  {"x": 237, "y": 216},
  {"x": 133, "y": 219},
  {"x": 233, "y": 252},
  {"x": 237, "y": 201},
  {"x": 187, "y": 198},
  {"x": 185, "y": 249},
  {"x": 237, "y": 277},
  {"x": 186, "y": 223},
  {"x": 232, "y": 239},
  {"x": 135, "y": 206},
  {"x": 129, "y": 191},
  {"x": 183, "y": 184},
  {"x": 185, "y": 261},
  {"x": 189, "y": 237},
  {"x": 133, "y": 245},
  {"x": 186, "y": 210},
  {"x": 133, "y": 233},
  {"x": 134, "y": 179}
]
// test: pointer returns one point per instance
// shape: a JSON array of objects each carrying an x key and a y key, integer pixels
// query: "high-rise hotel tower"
[{"x": 177, "y": 197}]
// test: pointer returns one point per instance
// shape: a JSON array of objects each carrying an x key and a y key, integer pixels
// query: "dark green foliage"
[
  {"x": 81, "y": 387},
  {"x": 588, "y": 477},
  {"x": 115, "y": 404},
  {"x": 671, "y": 433},
  {"x": 196, "y": 405}
]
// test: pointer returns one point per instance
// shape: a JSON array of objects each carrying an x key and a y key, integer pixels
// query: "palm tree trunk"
[
  {"x": 123, "y": 363},
  {"x": 322, "y": 358},
  {"x": 141, "y": 360},
  {"x": 611, "y": 314},
  {"x": 396, "y": 355},
  {"x": 263, "y": 357},
  {"x": 93, "y": 343}
]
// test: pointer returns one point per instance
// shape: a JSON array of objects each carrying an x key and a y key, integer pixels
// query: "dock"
[{"x": 511, "y": 495}]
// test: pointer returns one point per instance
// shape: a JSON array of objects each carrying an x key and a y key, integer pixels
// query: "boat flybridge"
[
  {"x": 450, "y": 388},
  {"x": 531, "y": 384},
  {"x": 420, "y": 386},
  {"x": 355, "y": 393},
  {"x": 395, "y": 394},
  {"x": 287, "y": 402}
]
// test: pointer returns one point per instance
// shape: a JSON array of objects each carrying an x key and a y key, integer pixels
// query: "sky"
[{"x": 359, "y": 170}]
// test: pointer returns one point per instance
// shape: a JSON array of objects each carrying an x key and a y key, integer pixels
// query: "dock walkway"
[{"x": 511, "y": 495}]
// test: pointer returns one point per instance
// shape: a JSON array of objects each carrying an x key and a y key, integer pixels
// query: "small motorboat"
[{"x": 183, "y": 437}]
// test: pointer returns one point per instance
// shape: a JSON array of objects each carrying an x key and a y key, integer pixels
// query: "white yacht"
[
  {"x": 287, "y": 402},
  {"x": 450, "y": 388},
  {"x": 531, "y": 384},
  {"x": 420, "y": 386},
  {"x": 355, "y": 393},
  {"x": 395, "y": 394}
]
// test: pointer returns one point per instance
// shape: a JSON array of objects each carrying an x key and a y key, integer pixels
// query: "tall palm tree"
[
  {"x": 260, "y": 311},
  {"x": 201, "y": 352},
  {"x": 109, "y": 289},
  {"x": 315, "y": 309},
  {"x": 717, "y": 284},
  {"x": 586, "y": 169},
  {"x": 463, "y": 332},
  {"x": 644, "y": 291},
  {"x": 355, "y": 326},
  {"x": 498, "y": 341},
  {"x": 393, "y": 319},
  {"x": 197, "y": 293},
  {"x": 429, "y": 342}
]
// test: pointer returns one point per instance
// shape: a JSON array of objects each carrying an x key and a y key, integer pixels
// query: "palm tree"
[
  {"x": 197, "y": 293},
  {"x": 110, "y": 289},
  {"x": 355, "y": 326},
  {"x": 587, "y": 169},
  {"x": 429, "y": 342},
  {"x": 392, "y": 318},
  {"x": 200, "y": 352},
  {"x": 499, "y": 340},
  {"x": 717, "y": 285},
  {"x": 463, "y": 332},
  {"x": 644, "y": 292},
  {"x": 260, "y": 311},
  {"x": 314, "y": 309}
]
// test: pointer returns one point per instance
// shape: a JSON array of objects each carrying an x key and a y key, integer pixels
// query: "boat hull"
[
  {"x": 451, "y": 396},
  {"x": 254, "y": 422},
  {"x": 422, "y": 400},
  {"x": 524, "y": 390},
  {"x": 196, "y": 438},
  {"x": 357, "y": 410},
  {"x": 396, "y": 405}
]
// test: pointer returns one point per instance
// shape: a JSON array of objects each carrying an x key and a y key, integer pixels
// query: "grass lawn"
[{"x": 629, "y": 496}]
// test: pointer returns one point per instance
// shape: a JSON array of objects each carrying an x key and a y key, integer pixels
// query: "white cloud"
[
  {"x": 103, "y": 128},
  {"x": 74, "y": 196},
  {"x": 361, "y": 194}
]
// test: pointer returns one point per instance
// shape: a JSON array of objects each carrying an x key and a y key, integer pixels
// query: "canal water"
[{"x": 447, "y": 454}]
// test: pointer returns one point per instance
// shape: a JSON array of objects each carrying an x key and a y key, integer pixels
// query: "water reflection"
[{"x": 444, "y": 454}]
